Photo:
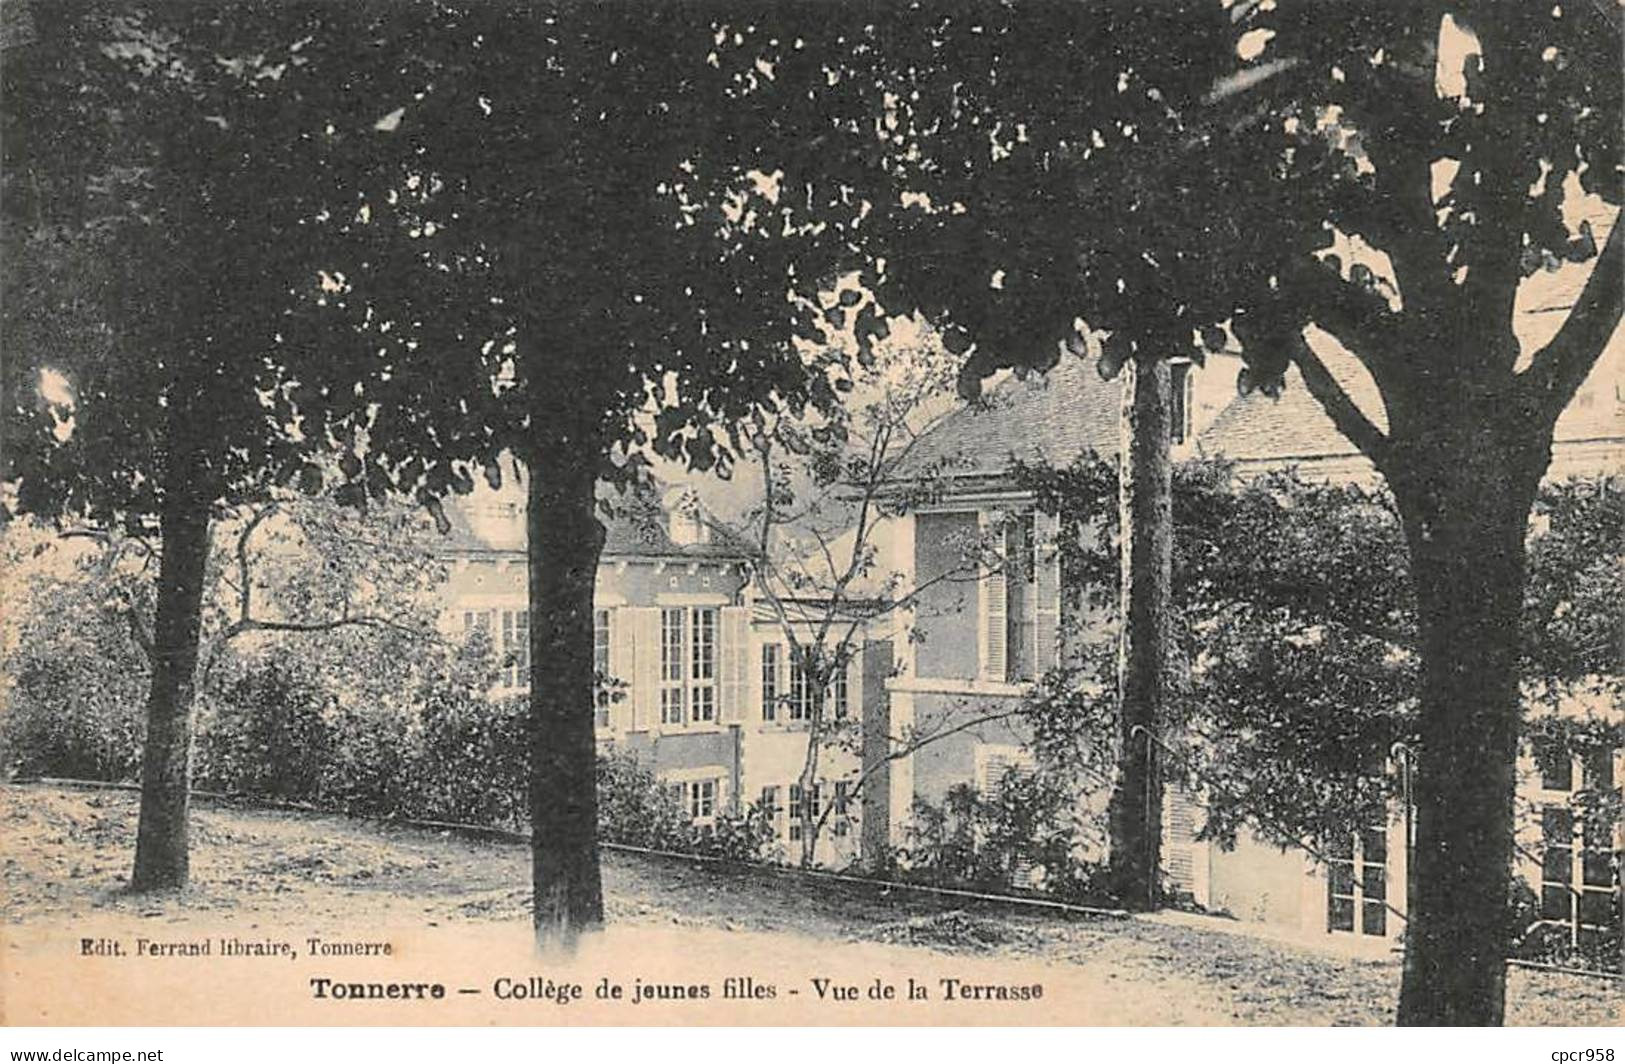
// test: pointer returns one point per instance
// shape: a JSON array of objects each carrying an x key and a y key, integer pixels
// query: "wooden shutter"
[
  {"x": 733, "y": 660},
  {"x": 1047, "y": 591},
  {"x": 623, "y": 667},
  {"x": 1181, "y": 851},
  {"x": 995, "y": 630},
  {"x": 644, "y": 625}
]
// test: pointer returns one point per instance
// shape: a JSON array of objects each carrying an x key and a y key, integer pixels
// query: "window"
[
  {"x": 1010, "y": 605},
  {"x": 801, "y": 687},
  {"x": 476, "y": 621},
  {"x": 671, "y": 665},
  {"x": 688, "y": 664},
  {"x": 1021, "y": 617},
  {"x": 515, "y": 649},
  {"x": 843, "y": 822},
  {"x": 795, "y": 812},
  {"x": 1555, "y": 764},
  {"x": 702, "y": 799},
  {"x": 805, "y": 809},
  {"x": 1357, "y": 882},
  {"x": 703, "y": 689},
  {"x": 1179, "y": 405},
  {"x": 1577, "y": 875},
  {"x": 1597, "y": 764},
  {"x": 770, "y": 681},
  {"x": 838, "y": 693},
  {"x": 600, "y": 665},
  {"x": 770, "y": 806}
]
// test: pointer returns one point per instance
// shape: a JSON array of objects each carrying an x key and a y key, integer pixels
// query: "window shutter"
[
  {"x": 1181, "y": 851},
  {"x": 732, "y": 661},
  {"x": 995, "y": 631},
  {"x": 622, "y": 667},
  {"x": 1047, "y": 590},
  {"x": 644, "y": 626}
]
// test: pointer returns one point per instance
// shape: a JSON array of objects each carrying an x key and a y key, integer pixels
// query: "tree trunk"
[
  {"x": 1466, "y": 527},
  {"x": 1134, "y": 813},
  {"x": 161, "y": 847},
  {"x": 565, "y": 541}
]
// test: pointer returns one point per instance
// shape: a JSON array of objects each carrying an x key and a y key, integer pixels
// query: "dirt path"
[{"x": 66, "y": 854}]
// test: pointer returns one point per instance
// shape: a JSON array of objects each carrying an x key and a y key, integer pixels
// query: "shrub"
[
  {"x": 268, "y": 733},
  {"x": 635, "y": 809},
  {"x": 472, "y": 758},
  {"x": 1023, "y": 837}
]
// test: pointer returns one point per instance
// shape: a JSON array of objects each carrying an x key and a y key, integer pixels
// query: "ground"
[{"x": 67, "y": 853}]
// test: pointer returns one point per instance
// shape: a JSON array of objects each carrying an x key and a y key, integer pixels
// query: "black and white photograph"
[{"x": 830, "y": 513}]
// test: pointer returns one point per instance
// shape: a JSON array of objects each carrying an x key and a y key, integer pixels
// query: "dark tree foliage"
[
  {"x": 1023, "y": 166},
  {"x": 511, "y": 263},
  {"x": 1297, "y": 618},
  {"x": 154, "y": 165}
]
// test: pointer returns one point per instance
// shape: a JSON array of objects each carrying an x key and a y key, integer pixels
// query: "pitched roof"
[
  {"x": 1054, "y": 417},
  {"x": 1049, "y": 417},
  {"x": 635, "y": 525}
]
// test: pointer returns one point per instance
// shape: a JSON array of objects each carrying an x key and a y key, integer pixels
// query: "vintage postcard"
[{"x": 737, "y": 513}]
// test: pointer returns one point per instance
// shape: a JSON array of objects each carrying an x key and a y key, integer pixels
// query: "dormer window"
[{"x": 687, "y": 526}]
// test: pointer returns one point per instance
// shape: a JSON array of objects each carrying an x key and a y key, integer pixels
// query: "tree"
[
  {"x": 832, "y": 482},
  {"x": 1303, "y": 704},
  {"x": 153, "y": 173},
  {"x": 1209, "y": 174},
  {"x": 519, "y": 271},
  {"x": 80, "y": 606}
]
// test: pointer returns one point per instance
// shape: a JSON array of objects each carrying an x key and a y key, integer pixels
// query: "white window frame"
[
  {"x": 772, "y": 667},
  {"x": 603, "y": 639},
  {"x": 515, "y": 650},
  {"x": 690, "y": 665},
  {"x": 996, "y": 661},
  {"x": 1358, "y": 863}
]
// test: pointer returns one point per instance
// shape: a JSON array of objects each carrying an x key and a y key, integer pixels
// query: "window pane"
[
  {"x": 1596, "y": 869},
  {"x": 1555, "y": 765},
  {"x": 1374, "y": 918},
  {"x": 1598, "y": 908},
  {"x": 1599, "y": 769},
  {"x": 1341, "y": 846},
  {"x": 1555, "y": 901},
  {"x": 1557, "y": 864},
  {"x": 1374, "y": 846},
  {"x": 1339, "y": 914},
  {"x": 770, "y": 681},
  {"x": 1557, "y": 825},
  {"x": 1374, "y": 883},
  {"x": 705, "y": 644},
  {"x": 1342, "y": 878}
]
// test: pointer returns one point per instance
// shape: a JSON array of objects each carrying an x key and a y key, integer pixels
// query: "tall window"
[
  {"x": 1021, "y": 600},
  {"x": 688, "y": 664},
  {"x": 801, "y": 688},
  {"x": 703, "y": 676},
  {"x": 806, "y": 806},
  {"x": 671, "y": 665},
  {"x": 1357, "y": 882},
  {"x": 600, "y": 664},
  {"x": 1556, "y": 765},
  {"x": 515, "y": 649},
  {"x": 1179, "y": 407},
  {"x": 770, "y": 681},
  {"x": 770, "y": 806},
  {"x": 838, "y": 693},
  {"x": 843, "y": 817}
]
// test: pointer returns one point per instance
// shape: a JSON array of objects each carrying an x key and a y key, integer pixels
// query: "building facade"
[
  {"x": 977, "y": 646},
  {"x": 700, "y": 684}
]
